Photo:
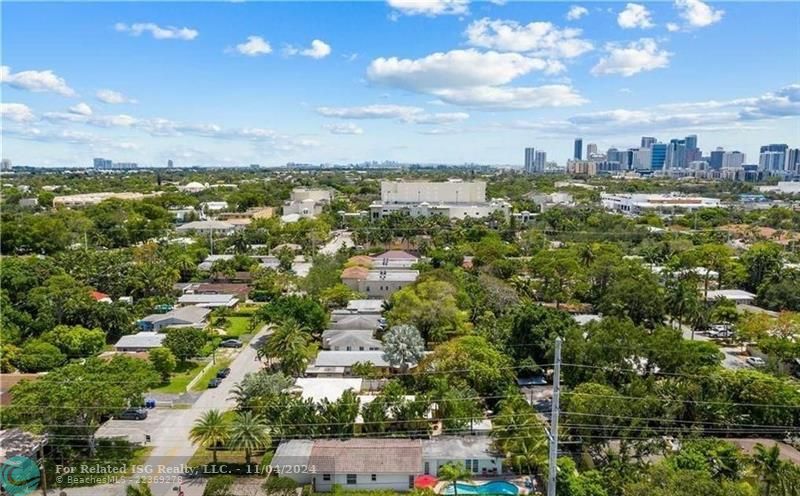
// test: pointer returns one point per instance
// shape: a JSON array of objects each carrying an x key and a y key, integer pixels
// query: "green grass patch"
[
  {"x": 183, "y": 375},
  {"x": 202, "y": 383},
  {"x": 112, "y": 454},
  {"x": 236, "y": 326}
]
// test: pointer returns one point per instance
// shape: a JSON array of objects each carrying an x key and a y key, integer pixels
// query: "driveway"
[
  {"x": 733, "y": 356},
  {"x": 169, "y": 432},
  {"x": 341, "y": 239}
]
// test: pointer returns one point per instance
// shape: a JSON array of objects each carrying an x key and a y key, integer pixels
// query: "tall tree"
[
  {"x": 249, "y": 433},
  {"x": 210, "y": 431}
]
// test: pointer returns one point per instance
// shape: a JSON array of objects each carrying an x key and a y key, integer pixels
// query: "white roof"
[
  {"x": 329, "y": 388},
  {"x": 731, "y": 294},
  {"x": 585, "y": 318},
  {"x": 205, "y": 224},
  {"x": 208, "y": 299},
  {"x": 141, "y": 340},
  {"x": 327, "y": 358},
  {"x": 365, "y": 306}
]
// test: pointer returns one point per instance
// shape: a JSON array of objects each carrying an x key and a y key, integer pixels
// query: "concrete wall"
[
  {"x": 423, "y": 191},
  {"x": 386, "y": 482}
]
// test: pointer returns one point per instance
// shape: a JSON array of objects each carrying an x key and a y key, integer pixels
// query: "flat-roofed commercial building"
[{"x": 455, "y": 199}]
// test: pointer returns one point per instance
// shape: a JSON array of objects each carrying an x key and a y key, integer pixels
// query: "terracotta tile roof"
[
  {"x": 98, "y": 296},
  {"x": 367, "y": 456},
  {"x": 355, "y": 273}
]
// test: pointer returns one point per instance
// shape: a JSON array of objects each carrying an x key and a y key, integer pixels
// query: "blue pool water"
[{"x": 494, "y": 487}]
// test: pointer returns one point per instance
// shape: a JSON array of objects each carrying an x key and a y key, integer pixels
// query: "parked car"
[
  {"x": 223, "y": 373},
  {"x": 215, "y": 382},
  {"x": 755, "y": 361},
  {"x": 231, "y": 343},
  {"x": 133, "y": 414}
]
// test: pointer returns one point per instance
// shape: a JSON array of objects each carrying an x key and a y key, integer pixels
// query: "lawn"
[
  {"x": 202, "y": 383},
  {"x": 116, "y": 455},
  {"x": 236, "y": 326},
  {"x": 183, "y": 375}
]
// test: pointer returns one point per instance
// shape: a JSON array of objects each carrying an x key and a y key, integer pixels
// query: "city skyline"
[{"x": 269, "y": 83}]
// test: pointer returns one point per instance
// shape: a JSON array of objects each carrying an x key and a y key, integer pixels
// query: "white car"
[{"x": 755, "y": 361}]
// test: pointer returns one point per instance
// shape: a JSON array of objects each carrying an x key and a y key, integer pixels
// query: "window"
[
  {"x": 427, "y": 468},
  {"x": 468, "y": 464},
  {"x": 374, "y": 477},
  {"x": 352, "y": 479},
  {"x": 411, "y": 482},
  {"x": 326, "y": 477},
  {"x": 475, "y": 466}
]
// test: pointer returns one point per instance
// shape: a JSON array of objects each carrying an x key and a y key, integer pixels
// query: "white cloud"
[
  {"x": 370, "y": 112},
  {"x": 455, "y": 69},
  {"x": 636, "y": 57},
  {"x": 404, "y": 113},
  {"x": 672, "y": 27},
  {"x": 156, "y": 31},
  {"x": 440, "y": 118},
  {"x": 430, "y": 8},
  {"x": 474, "y": 79},
  {"x": 318, "y": 50},
  {"x": 37, "y": 81},
  {"x": 16, "y": 112},
  {"x": 344, "y": 128},
  {"x": 254, "y": 46},
  {"x": 512, "y": 98},
  {"x": 576, "y": 12},
  {"x": 113, "y": 97},
  {"x": 120, "y": 120},
  {"x": 81, "y": 109},
  {"x": 698, "y": 14},
  {"x": 537, "y": 38},
  {"x": 635, "y": 16}
]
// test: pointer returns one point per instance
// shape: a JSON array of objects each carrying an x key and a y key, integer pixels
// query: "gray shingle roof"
[{"x": 141, "y": 340}]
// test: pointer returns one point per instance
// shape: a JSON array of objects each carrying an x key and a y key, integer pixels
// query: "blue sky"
[{"x": 449, "y": 81}]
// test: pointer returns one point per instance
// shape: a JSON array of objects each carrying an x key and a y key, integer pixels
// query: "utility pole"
[{"x": 554, "y": 412}]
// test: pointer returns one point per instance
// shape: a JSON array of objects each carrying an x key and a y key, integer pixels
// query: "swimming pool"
[{"x": 494, "y": 487}]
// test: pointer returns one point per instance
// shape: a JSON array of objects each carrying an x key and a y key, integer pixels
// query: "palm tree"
[
  {"x": 141, "y": 489},
  {"x": 768, "y": 466},
  {"x": 289, "y": 343},
  {"x": 249, "y": 433},
  {"x": 454, "y": 472},
  {"x": 211, "y": 430}
]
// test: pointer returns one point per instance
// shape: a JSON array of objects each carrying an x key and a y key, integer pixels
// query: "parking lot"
[{"x": 135, "y": 431}]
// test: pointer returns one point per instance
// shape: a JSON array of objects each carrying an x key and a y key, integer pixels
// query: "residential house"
[
  {"x": 350, "y": 340},
  {"x": 475, "y": 453},
  {"x": 142, "y": 341},
  {"x": 738, "y": 296},
  {"x": 241, "y": 291},
  {"x": 18, "y": 443},
  {"x": 188, "y": 316},
  {"x": 354, "y": 464},
  {"x": 207, "y": 227},
  {"x": 305, "y": 203},
  {"x": 378, "y": 283},
  {"x": 340, "y": 363},
  {"x": 355, "y": 322},
  {"x": 209, "y": 300}
]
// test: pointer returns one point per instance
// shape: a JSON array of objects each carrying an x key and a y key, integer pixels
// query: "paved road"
[
  {"x": 172, "y": 448},
  {"x": 341, "y": 239},
  {"x": 733, "y": 358}
]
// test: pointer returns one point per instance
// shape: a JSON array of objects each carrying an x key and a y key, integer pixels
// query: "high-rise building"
[
  {"x": 642, "y": 158},
  {"x": 103, "y": 164},
  {"x": 658, "y": 155},
  {"x": 540, "y": 161},
  {"x": 772, "y": 161},
  {"x": 648, "y": 142},
  {"x": 578, "y": 149},
  {"x": 591, "y": 149},
  {"x": 691, "y": 142},
  {"x": 613, "y": 155},
  {"x": 530, "y": 159},
  {"x": 715, "y": 158},
  {"x": 676, "y": 154},
  {"x": 733, "y": 160},
  {"x": 5, "y": 165},
  {"x": 170, "y": 165},
  {"x": 793, "y": 160}
]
